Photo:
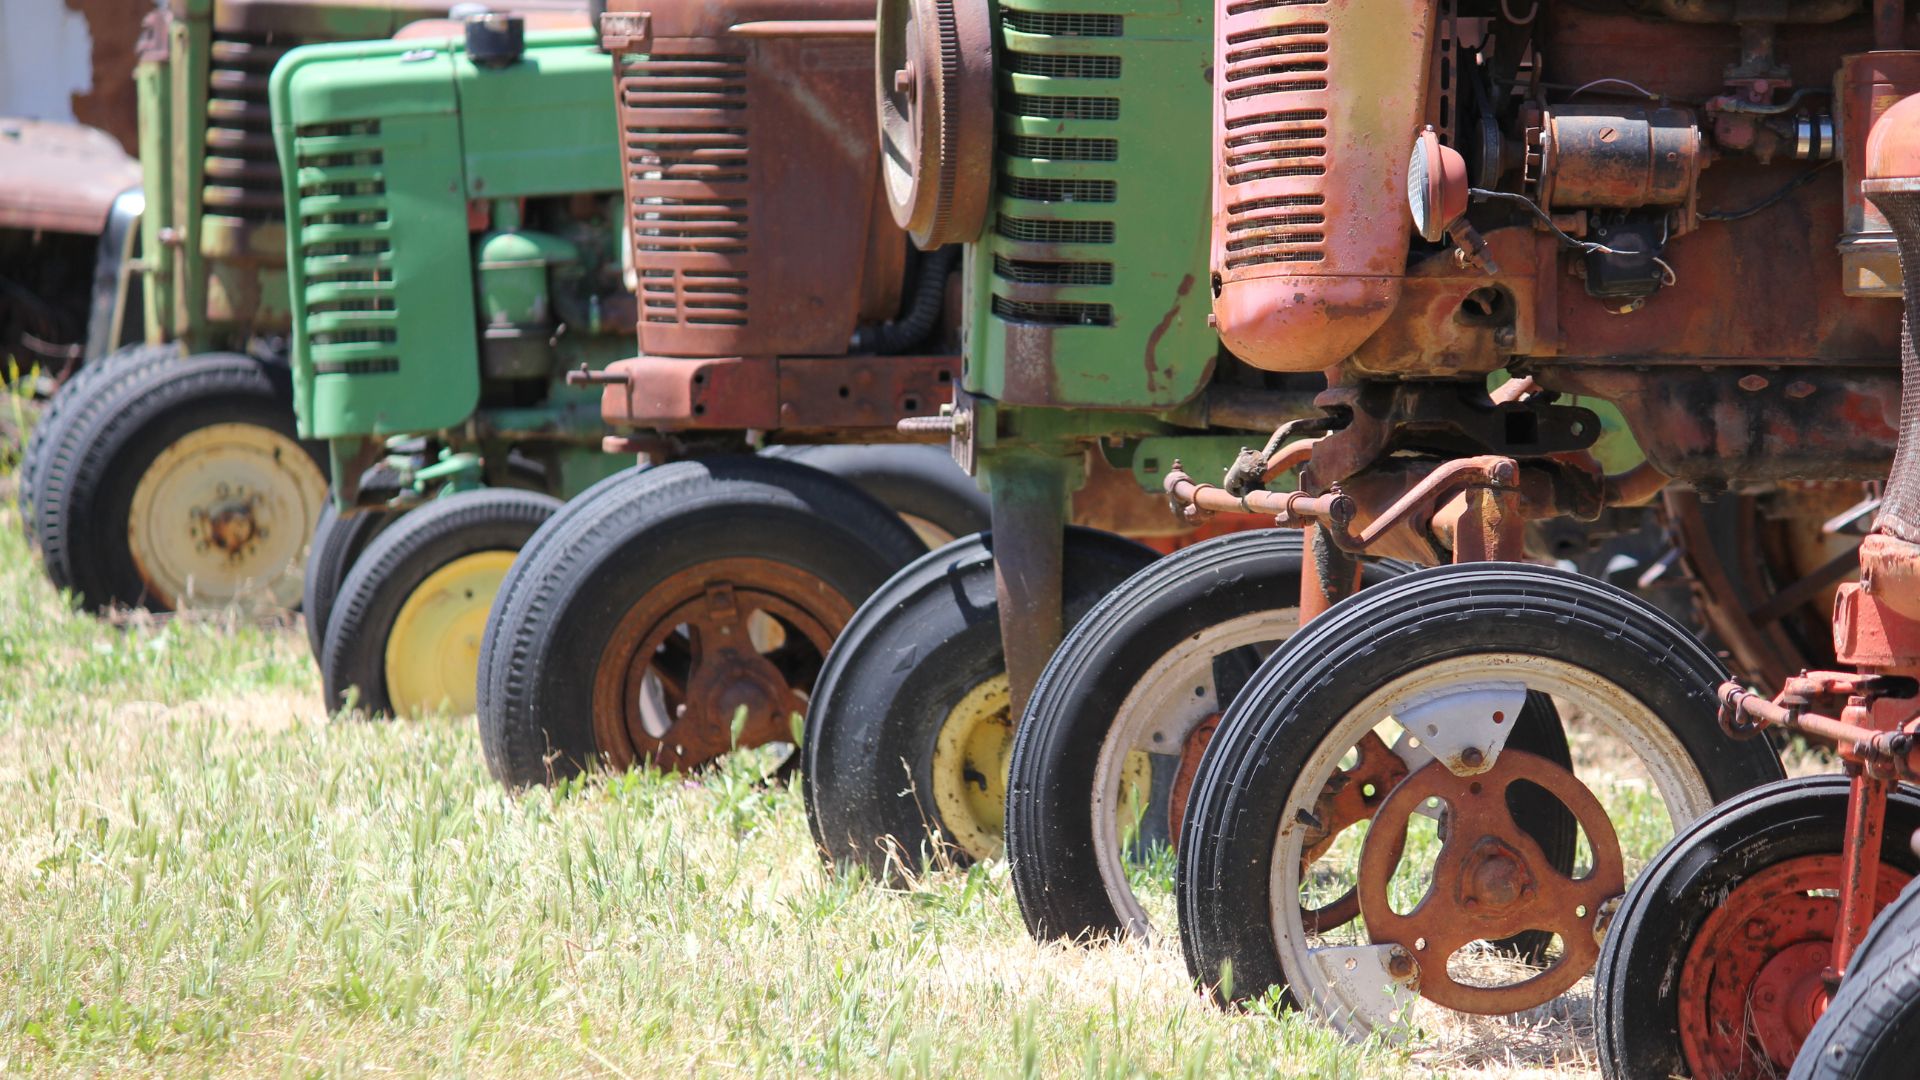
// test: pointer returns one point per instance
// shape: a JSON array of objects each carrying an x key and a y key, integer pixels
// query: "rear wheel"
[
  {"x": 1712, "y": 965},
  {"x": 908, "y": 742},
  {"x": 1433, "y": 674},
  {"x": 182, "y": 485},
  {"x": 404, "y": 636},
  {"x": 668, "y": 615},
  {"x": 337, "y": 541},
  {"x": 62, "y": 405}
]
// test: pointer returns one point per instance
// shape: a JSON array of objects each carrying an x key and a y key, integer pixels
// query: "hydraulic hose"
[{"x": 911, "y": 330}]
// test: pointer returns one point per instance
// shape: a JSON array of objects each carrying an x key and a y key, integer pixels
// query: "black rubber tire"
[
  {"x": 395, "y": 564},
  {"x": 1326, "y": 670},
  {"x": 917, "y": 481},
  {"x": 115, "y": 432},
  {"x": 596, "y": 558},
  {"x": 1871, "y": 1030},
  {"x": 1050, "y": 837},
  {"x": 62, "y": 406},
  {"x": 337, "y": 542},
  {"x": 1636, "y": 1018},
  {"x": 912, "y": 652}
]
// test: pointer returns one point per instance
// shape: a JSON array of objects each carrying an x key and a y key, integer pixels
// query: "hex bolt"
[{"x": 903, "y": 80}]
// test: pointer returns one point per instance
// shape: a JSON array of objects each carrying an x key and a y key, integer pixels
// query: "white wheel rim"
[
  {"x": 1616, "y": 712},
  {"x": 1156, "y": 717},
  {"x": 222, "y": 518}
]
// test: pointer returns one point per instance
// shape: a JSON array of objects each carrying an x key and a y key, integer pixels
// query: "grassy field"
[{"x": 201, "y": 872}]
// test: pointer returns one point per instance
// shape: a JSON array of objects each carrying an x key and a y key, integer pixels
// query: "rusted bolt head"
[
  {"x": 1504, "y": 472},
  {"x": 1753, "y": 383},
  {"x": 1799, "y": 388},
  {"x": 1472, "y": 757},
  {"x": 903, "y": 80},
  {"x": 1400, "y": 963}
]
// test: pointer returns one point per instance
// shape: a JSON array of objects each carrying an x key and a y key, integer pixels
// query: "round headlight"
[{"x": 1436, "y": 186}]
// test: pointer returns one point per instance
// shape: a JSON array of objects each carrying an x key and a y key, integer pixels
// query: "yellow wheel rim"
[
  {"x": 221, "y": 518},
  {"x": 970, "y": 769},
  {"x": 433, "y": 650}
]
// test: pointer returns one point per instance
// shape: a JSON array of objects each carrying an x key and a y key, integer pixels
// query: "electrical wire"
[
  {"x": 1546, "y": 219},
  {"x": 1644, "y": 92},
  {"x": 1772, "y": 200}
]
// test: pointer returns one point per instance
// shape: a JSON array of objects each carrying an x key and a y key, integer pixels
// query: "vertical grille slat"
[{"x": 685, "y": 127}]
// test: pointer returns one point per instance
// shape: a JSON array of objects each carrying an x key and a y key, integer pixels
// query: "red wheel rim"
[{"x": 1751, "y": 986}]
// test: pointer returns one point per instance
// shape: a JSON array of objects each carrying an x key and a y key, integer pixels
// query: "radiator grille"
[
  {"x": 344, "y": 246},
  {"x": 1275, "y": 61},
  {"x": 242, "y": 176},
  {"x": 1026, "y": 261},
  {"x": 684, "y": 134}
]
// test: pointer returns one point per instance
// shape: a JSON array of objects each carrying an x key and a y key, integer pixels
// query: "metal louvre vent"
[
  {"x": 1032, "y": 272},
  {"x": 684, "y": 133},
  {"x": 1057, "y": 24},
  {"x": 1067, "y": 108},
  {"x": 1051, "y": 148},
  {"x": 1048, "y": 65},
  {"x": 1048, "y": 313},
  {"x": 1275, "y": 61},
  {"x": 242, "y": 175},
  {"x": 344, "y": 247},
  {"x": 1027, "y": 230},
  {"x": 1034, "y": 189}
]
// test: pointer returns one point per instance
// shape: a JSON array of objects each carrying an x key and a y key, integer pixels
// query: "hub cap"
[
  {"x": 433, "y": 650},
  {"x": 222, "y": 518}
]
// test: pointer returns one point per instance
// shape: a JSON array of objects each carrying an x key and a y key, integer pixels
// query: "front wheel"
[
  {"x": 1409, "y": 696},
  {"x": 672, "y": 614},
  {"x": 404, "y": 635},
  {"x": 908, "y": 740},
  {"x": 181, "y": 485},
  {"x": 1712, "y": 966},
  {"x": 1871, "y": 1030}
]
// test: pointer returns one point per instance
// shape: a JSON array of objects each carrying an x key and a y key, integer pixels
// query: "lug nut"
[
  {"x": 1400, "y": 964},
  {"x": 1472, "y": 758}
]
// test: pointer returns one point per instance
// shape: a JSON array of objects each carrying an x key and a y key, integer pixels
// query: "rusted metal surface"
[
  {"x": 1192, "y": 748},
  {"x": 1600, "y": 155},
  {"x": 1750, "y": 984},
  {"x": 1029, "y": 529},
  {"x": 751, "y": 162},
  {"x": 717, "y": 657},
  {"x": 1306, "y": 264},
  {"x": 108, "y": 103},
  {"x": 1869, "y": 84},
  {"x": 934, "y": 82},
  {"x": 1491, "y": 880},
  {"x": 1352, "y": 796},
  {"x": 852, "y": 396},
  {"x": 60, "y": 178}
]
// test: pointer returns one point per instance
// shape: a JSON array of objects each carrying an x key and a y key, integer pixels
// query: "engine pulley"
[{"x": 935, "y": 91}]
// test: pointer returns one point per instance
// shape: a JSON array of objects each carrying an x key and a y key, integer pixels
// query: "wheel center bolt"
[
  {"x": 903, "y": 80},
  {"x": 1496, "y": 877}
]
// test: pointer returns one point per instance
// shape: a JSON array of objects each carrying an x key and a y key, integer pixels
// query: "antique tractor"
[
  {"x": 456, "y": 144},
  {"x": 1432, "y": 795},
  {"x": 170, "y": 474},
  {"x": 1061, "y": 143},
  {"x": 779, "y": 297},
  {"x": 1750, "y": 945}
]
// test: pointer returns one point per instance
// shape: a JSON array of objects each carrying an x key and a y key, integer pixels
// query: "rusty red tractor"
[
  {"x": 1418, "y": 800},
  {"x": 1750, "y": 944}
]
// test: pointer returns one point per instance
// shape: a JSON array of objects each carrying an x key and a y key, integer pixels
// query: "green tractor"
[
  {"x": 453, "y": 252},
  {"x": 169, "y": 474}
]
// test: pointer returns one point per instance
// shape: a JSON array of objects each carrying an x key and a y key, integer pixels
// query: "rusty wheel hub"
[
  {"x": 1751, "y": 986},
  {"x": 1490, "y": 882},
  {"x": 935, "y": 97},
  {"x": 717, "y": 657}
]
